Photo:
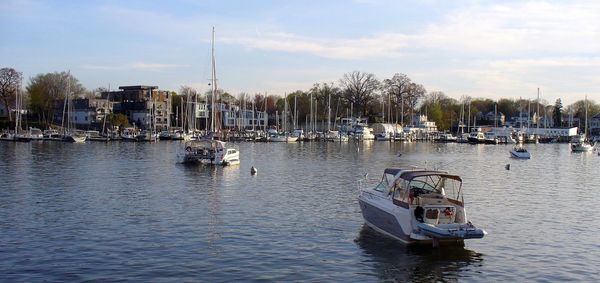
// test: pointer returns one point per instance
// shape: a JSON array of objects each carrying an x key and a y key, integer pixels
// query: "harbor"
[
  {"x": 129, "y": 211},
  {"x": 296, "y": 141}
]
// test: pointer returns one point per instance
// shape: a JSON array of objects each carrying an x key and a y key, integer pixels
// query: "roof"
[
  {"x": 137, "y": 87},
  {"x": 409, "y": 174}
]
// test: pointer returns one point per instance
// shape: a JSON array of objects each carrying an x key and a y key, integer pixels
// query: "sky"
[{"x": 488, "y": 49}]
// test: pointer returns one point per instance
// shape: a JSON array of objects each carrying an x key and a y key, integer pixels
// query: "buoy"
[
  {"x": 253, "y": 170},
  {"x": 507, "y": 166}
]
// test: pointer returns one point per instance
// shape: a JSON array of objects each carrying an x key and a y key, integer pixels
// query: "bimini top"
[
  {"x": 205, "y": 144},
  {"x": 409, "y": 174}
]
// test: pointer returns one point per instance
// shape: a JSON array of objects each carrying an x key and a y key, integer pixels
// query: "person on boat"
[{"x": 419, "y": 213}]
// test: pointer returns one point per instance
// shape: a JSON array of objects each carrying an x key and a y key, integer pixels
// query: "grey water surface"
[{"x": 128, "y": 211}]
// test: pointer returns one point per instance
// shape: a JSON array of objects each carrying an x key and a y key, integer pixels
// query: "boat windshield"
[{"x": 445, "y": 185}]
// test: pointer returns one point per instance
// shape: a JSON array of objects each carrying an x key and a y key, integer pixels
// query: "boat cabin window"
[
  {"x": 386, "y": 184},
  {"x": 401, "y": 192}
]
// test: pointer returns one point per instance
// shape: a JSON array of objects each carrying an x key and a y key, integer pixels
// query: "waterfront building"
[
  {"x": 494, "y": 118},
  {"x": 144, "y": 106},
  {"x": 594, "y": 127},
  {"x": 85, "y": 112},
  {"x": 244, "y": 119}
]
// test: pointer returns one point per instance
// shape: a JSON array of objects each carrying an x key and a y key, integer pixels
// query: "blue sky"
[{"x": 486, "y": 49}]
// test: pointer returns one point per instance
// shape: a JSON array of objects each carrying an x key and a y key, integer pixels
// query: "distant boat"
[
  {"x": 446, "y": 138},
  {"x": 95, "y": 136},
  {"x": 520, "y": 152},
  {"x": 476, "y": 136},
  {"x": 490, "y": 138},
  {"x": 363, "y": 132},
  {"x": 418, "y": 206},
  {"x": 209, "y": 152},
  {"x": 69, "y": 132},
  {"x": 583, "y": 144}
]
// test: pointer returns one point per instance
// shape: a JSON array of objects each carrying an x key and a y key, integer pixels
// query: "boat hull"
[
  {"x": 520, "y": 155},
  {"x": 383, "y": 222}
]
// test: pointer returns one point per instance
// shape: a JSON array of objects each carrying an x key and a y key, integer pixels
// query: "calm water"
[{"x": 127, "y": 211}]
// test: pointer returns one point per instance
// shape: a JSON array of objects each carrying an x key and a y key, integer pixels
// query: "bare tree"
[
  {"x": 47, "y": 89},
  {"x": 10, "y": 82},
  {"x": 359, "y": 89},
  {"x": 415, "y": 93}
]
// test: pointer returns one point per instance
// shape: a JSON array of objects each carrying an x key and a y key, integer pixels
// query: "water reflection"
[{"x": 392, "y": 260}]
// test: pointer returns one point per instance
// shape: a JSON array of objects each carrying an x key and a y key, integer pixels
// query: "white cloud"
[{"x": 491, "y": 30}]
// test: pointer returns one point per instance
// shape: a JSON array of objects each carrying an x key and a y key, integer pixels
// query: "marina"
[
  {"x": 294, "y": 141},
  {"x": 118, "y": 210}
]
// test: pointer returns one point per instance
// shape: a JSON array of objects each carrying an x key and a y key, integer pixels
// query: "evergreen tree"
[{"x": 557, "y": 115}]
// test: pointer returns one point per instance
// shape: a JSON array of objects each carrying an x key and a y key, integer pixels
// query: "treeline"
[{"x": 358, "y": 94}]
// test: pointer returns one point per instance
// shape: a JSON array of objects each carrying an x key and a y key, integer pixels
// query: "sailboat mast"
[
  {"x": 538, "y": 112},
  {"x": 586, "y": 117},
  {"x": 329, "y": 113},
  {"x": 214, "y": 84}
]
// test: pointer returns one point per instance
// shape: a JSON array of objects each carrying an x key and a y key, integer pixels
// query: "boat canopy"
[
  {"x": 415, "y": 174},
  {"x": 205, "y": 144},
  {"x": 409, "y": 174}
]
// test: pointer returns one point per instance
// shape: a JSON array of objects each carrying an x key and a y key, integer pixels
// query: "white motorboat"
[
  {"x": 336, "y": 136},
  {"x": 476, "y": 136},
  {"x": 36, "y": 134},
  {"x": 75, "y": 137},
  {"x": 490, "y": 138},
  {"x": 129, "y": 134},
  {"x": 520, "y": 152},
  {"x": 52, "y": 135},
  {"x": 418, "y": 206},
  {"x": 283, "y": 137},
  {"x": 446, "y": 138},
  {"x": 6, "y": 136},
  {"x": 211, "y": 152},
  {"x": 363, "y": 132},
  {"x": 584, "y": 146},
  {"x": 383, "y": 137}
]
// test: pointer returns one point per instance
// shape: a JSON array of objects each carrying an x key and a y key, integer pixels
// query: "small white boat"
[
  {"x": 6, "y": 136},
  {"x": 36, "y": 134},
  {"x": 382, "y": 137},
  {"x": 129, "y": 134},
  {"x": 74, "y": 137},
  {"x": 476, "y": 136},
  {"x": 210, "y": 152},
  {"x": 52, "y": 135},
  {"x": 584, "y": 146},
  {"x": 363, "y": 132},
  {"x": 336, "y": 136},
  {"x": 418, "y": 206},
  {"x": 283, "y": 138},
  {"x": 520, "y": 152},
  {"x": 446, "y": 138}
]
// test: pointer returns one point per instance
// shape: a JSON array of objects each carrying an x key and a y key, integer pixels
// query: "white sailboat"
[
  {"x": 284, "y": 136},
  {"x": 583, "y": 145},
  {"x": 211, "y": 151},
  {"x": 69, "y": 133},
  {"x": 20, "y": 135}
]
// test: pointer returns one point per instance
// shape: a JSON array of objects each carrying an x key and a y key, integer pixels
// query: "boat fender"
[
  {"x": 188, "y": 149},
  {"x": 419, "y": 213}
]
